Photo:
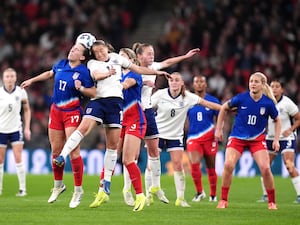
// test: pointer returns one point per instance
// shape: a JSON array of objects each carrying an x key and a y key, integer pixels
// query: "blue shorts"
[
  {"x": 151, "y": 130},
  {"x": 170, "y": 145},
  {"x": 106, "y": 111},
  {"x": 285, "y": 146},
  {"x": 13, "y": 138}
]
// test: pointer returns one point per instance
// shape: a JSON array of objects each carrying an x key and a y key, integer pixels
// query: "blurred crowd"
[{"x": 236, "y": 38}]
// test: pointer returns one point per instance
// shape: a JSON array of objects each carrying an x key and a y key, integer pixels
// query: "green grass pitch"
[{"x": 243, "y": 208}]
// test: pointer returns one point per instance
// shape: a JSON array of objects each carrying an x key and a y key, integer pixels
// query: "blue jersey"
[
  {"x": 252, "y": 116},
  {"x": 132, "y": 109},
  {"x": 65, "y": 95},
  {"x": 201, "y": 120}
]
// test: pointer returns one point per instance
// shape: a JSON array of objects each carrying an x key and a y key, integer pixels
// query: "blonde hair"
[
  {"x": 131, "y": 55},
  {"x": 266, "y": 88}
]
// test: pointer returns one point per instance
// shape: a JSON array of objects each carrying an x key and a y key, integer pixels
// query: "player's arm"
[
  {"x": 171, "y": 61},
  {"x": 209, "y": 104},
  {"x": 88, "y": 92},
  {"x": 146, "y": 70},
  {"x": 100, "y": 75},
  {"x": 27, "y": 118},
  {"x": 295, "y": 125},
  {"x": 128, "y": 83},
  {"x": 41, "y": 77},
  {"x": 220, "y": 121},
  {"x": 275, "y": 144}
]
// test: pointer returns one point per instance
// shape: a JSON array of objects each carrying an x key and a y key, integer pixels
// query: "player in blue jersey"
[
  {"x": 201, "y": 141},
  {"x": 13, "y": 102},
  {"x": 145, "y": 54},
  {"x": 254, "y": 108},
  {"x": 172, "y": 105},
  {"x": 72, "y": 80},
  {"x": 290, "y": 121},
  {"x": 133, "y": 127},
  {"x": 105, "y": 109}
]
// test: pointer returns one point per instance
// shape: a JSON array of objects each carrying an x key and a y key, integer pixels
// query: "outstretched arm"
[
  {"x": 171, "y": 61},
  {"x": 147, "y": 71},
  {"x": 43, "y": 76}
]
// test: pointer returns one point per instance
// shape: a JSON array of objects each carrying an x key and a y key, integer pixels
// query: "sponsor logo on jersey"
[{"x": 75, "y": 76}]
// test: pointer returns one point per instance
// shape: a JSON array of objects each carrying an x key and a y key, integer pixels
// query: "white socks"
[
  {"x": 72, "y": 142},
  {"x": 179, "y": 180},
  {"x": 155, "y": 170},
  {"x": 127, "y": 181},
  {"x": 21, "y": 176},
  {"x": 263, "y": 187},
  {"x": 148, "y": 179},
  {"x": 110, "y": 160},
  {"x": 296, "y": 183}
]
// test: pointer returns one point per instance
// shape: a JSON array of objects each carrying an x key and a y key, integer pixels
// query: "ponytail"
[{"x": 266, "y": 88}]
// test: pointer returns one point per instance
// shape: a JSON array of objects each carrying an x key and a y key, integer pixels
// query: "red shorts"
[
  {"x": 253, "y": 145},
  {"x": 137, "y": 129},
  {"x": 59, "y": 120},
  {"x": 203, "y": 147}
]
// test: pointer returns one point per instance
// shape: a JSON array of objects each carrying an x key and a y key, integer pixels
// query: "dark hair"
[
  {"x": 281, "y": 81},
  {"x": 102, "y": 42}
]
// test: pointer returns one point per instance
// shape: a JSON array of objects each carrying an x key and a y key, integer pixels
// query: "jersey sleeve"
[
  {"x": 292, "y": 108},
  {"x": 273, "y": 110},
  {"x": 235, "y": 101},
  {"x": 24, "y": 94},
  {"x": 193, "y": 99}
]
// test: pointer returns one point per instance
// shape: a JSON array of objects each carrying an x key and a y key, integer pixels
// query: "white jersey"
[
  {"x": 110, "y": 86},
  {"x": 172, "y": 112},
  {"x": 146, "y": 90},
  {"x": 10, "y": 109},
  {"x": 287, "y": 109}
]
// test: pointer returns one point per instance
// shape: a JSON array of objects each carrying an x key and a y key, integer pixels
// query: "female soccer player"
[
  {"x": 12, "y": 100},
  {"x": 105, "y": 108},
  {"x": 172, "y": 105},
  {"x": 72, "y": 80},
  {"x": 201, "y": 141},
  {"x": 145, "y": 54},
  {"x": 254, "y": 107},
  {"x": 133, "y": 127},
  {"x": 287, "y": 139}
]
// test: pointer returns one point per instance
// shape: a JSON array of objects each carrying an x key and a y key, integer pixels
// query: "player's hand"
[
  {"x": 219, "y": 135},
  {"x": 193, "y": 52},
  {"x": 27, "y": 134},
  {"x": 25, "y": 84},
  {"x": 77, "y": 84},
  {"x": 275, "y": 145},
  {"x": 149, "y": 83}
]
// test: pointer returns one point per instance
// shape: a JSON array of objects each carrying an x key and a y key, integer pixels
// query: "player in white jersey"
[
  {"x": 145, "y": 54},
  {"x": 290, "y": 121},
  {"x": 12, "y": 100},
  {"x": 105, "y": 109},
  {"x": 172, "y": 105}
]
